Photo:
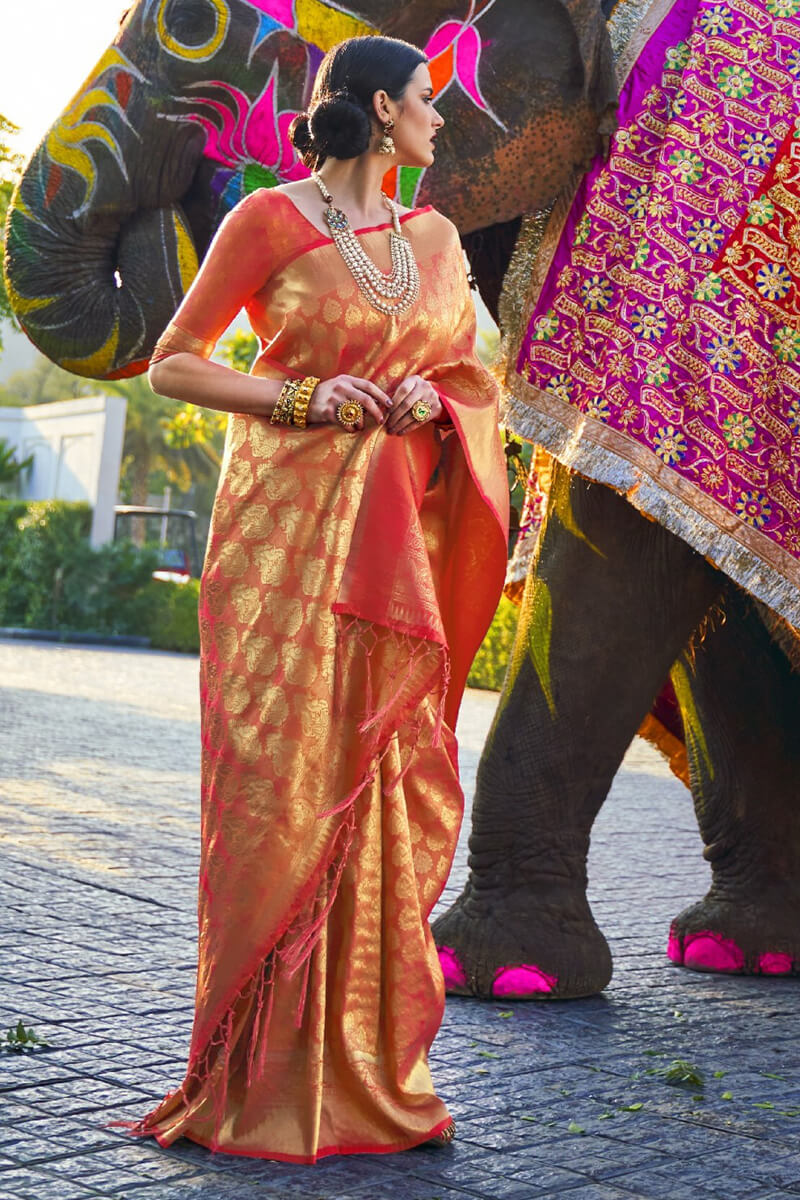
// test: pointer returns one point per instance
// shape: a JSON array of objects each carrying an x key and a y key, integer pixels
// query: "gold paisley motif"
[
  {"x": 256, "y": 520},
  {"x": 237, "y": 433},
  {"x": 273, "y": 706},
  {"x": 215, "y": 595},
  {"x": 264, "y": 441},
  {"x": 271, "y": 564},
  {"x": 235, "y": 693},
  {"x": 227, "y": 643},
  {"x": 314, "y": 718},
  {"x": 288, "y": 617},
  {"x": 298, "y": 526},
  {"x": 298, "y": 665},
  {"x": 239, "y": 477},
  {"x": 259, "y": 654},
  {"x": 279, "y": 483},
  {"x": 246, "y": 601},
  {"x": 313, "y": 576},
  {"x": 232, "y": 560},
  {"x": 245, "y": 741}
]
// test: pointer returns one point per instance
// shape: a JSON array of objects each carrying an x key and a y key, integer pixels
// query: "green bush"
[
  {"x": 489, "y": 668},
  {"x": 171, "y": 621},
  {"x": 53, "y": 579}
]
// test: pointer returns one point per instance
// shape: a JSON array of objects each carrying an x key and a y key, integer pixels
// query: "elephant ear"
[{"x": 528, "y": 92}]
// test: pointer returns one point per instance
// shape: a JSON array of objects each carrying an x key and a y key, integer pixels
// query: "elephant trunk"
[{"x": 98, "y": 249}]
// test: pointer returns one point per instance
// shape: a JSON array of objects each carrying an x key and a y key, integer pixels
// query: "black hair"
[{"x": 339, "y": 120}]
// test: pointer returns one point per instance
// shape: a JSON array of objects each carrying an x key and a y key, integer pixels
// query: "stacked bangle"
[{"x": 291, "y": 407}]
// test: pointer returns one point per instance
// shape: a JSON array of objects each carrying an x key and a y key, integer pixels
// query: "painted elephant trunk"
[{"x": 98, "y": 248}]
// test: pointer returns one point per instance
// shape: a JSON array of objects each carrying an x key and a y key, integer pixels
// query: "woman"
[{"x": 356, "y": 556}]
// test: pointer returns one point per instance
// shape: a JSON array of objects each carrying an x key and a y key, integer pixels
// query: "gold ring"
[
  {"x": 349, "y": 413},
  {"x": 420, "y": 411}
]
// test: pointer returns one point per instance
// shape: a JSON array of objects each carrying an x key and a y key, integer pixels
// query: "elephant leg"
[
  {"x": 609, "y": 604},
  {"x": 740, "y": 700}
]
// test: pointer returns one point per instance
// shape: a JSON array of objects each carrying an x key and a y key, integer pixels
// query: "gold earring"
[{"x": 386, "y": 144}]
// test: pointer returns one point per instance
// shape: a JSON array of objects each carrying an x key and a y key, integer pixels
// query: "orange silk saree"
[{"x": 348, "y": 582}]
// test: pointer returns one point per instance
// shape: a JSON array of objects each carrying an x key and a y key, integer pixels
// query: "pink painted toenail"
[
  {"x": 454, "y": 974},
  {"x": 711, "y": 952},
  {"x": 523, "y": 981},
  {"x": 674, "y": 951},
  {"x": 775, "y": 964}
]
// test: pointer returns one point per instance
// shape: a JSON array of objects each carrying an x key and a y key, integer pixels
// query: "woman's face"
[{"x": 416, "y": 122}]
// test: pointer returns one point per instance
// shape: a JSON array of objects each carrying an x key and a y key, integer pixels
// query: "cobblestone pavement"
[{"x": 98, "y": 816}]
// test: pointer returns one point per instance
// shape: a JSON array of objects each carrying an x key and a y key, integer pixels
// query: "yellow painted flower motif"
[
  {"x": 680, "y": 101},
  {"x": 653, "y": 97},
  {"x": 757, "y": 149},
  {"x": 583, "y": 229},
  {"x": 712, "y": 477},
  {"x": 627, "y": 139},
  {"x": 708, "y": 288},
  {"x": 711, "y": 123},
  {"x": 705, "y": 236},
  {"x": 620, "y": 364},
  {"x": 649, "y": 321},
  {"x": 730, "y": 189},
  {"x": 628, "y": 413},
  {"x": 686, "y": 165},
  {"x": 765, "y": 386},
  {"x": 675, "y": 277},
  {"x": 670, "y": 445},
  {"x": 617, "y": 245},
  {"x": 642, "y": 253},
  {"x": 786, "y": 344},
  {"x": 773, "y": 281},
  {"x": 760, "y": 211},
  {"x": 780, "y": 104},
  {"x": 561, "y": 386},
  {"x": 747, "y": 313},
  {"x": 659, "y": 206},
  {"x": 723, "y": 354},
  {"x": 739, "y": 431},
  {"x": 598, "y": 407},
  {"x": 780, "y": 462},
  {"x": 783, "y": 8},
  {"x": 716, "y": 20},
  {"x": 758, "y": 43},
  {"x": 636, "y": 201},
  {"x": 658, "y": 371},
  {"x": 696, "y": 399},
  {"x": 546, "y": 326},
  {"x": 754, "y": 509},
  {"x": 596, "y": 293},
  {"x": 675, "y": 57},
  {"x": 735, "y": 82}
]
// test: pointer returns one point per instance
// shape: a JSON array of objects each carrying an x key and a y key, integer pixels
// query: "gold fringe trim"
[{"x": 605, "y": 455}]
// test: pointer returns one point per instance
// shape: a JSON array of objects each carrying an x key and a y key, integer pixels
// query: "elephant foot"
[
  {"x": 482, "y": 956},
  {"x": 737, "y": 939}
]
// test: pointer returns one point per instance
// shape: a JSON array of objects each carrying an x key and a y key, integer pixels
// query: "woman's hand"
[
  {"x": 330, "y": 393},
  {"x": 406, "y": 395}
]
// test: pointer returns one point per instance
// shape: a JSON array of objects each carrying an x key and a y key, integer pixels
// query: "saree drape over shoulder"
[{"x": 348, "y": 582}]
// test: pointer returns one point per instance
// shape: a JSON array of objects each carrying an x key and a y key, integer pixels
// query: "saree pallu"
[
  {"x": 656, "y": 340},
  {"x": 348, "y": 581}
]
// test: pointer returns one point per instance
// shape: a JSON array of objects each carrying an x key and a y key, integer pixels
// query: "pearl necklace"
[{"x": 391, "y": 294}]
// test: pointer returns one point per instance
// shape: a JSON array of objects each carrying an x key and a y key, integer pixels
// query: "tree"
[
  {"x": 10, "y": 168},
  {"x": 10, "y": 468},
  {"x": 45, "y": 382}
]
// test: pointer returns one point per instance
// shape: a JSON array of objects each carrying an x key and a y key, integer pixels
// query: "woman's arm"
[{"x": 237, "y": 266}]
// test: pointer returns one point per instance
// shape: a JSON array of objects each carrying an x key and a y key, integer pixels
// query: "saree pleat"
[{"x": 347, "y": 585}]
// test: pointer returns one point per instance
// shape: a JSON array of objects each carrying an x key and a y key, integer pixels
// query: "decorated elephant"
[
  {"x": 653, "y": 338},
  {"x": 669, "y": 544},
  {"x": 189, "y": 110}
]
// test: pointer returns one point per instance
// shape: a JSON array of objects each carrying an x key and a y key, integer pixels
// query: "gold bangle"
[
  {"x": 283, "y": 411},
  {"x": 302, "y": 400}
]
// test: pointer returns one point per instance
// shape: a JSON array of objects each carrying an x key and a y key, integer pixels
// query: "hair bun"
[
  {"x": 300, "y": 134},
  {"x": 339, "y": 127}
]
